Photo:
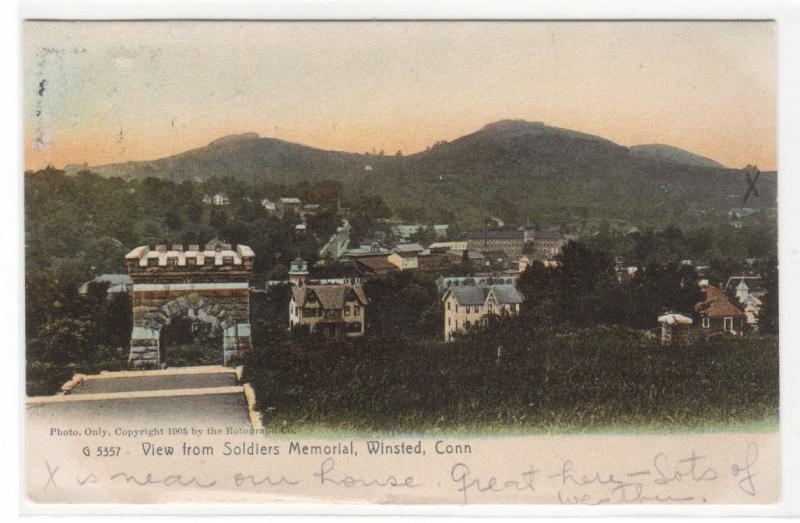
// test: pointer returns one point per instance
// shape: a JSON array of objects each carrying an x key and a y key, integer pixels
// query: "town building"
[
  {"x": 445, "y": 282},
  {"x": 117, "y": 284},
  {"x": 405, "y": 256},
  {"x": 289, "y": 204},
  {"x": 405, "y": 232},
  {"x": 330, "y": 310},
  {"x": 544, "y": 244},
  {"x": 448, "y": 246},
  {"x": 717, "y": 313},
  {"x": 471, "y": 305},
  {"x": 269, "y": 205},
  {"x": 375, "y": 265},
  {"x": 510, "y": 241},
  {"x": 298, "y": 271},
  {"x": 218, "y": 199}
]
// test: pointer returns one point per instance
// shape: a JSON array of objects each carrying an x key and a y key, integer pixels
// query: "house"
[
  {"x": 467, "y": 306},
  {"x": 220, "y": 199},
  {"x": 510, "y": 241},
  {"x": 496, "y": 259},
  {"x": 367, "y": 248},
  {"x": 268, "y": 205},
  {"x": 375, "y": 265},
  {"x": 717, "y": 313},
  {"x": 675, "y": 328},
  {"x": 309, "y": 209},
  {"x": 330, "y": 310},
  {"x": 405, "y": 256},
  {"x": 445, "y": 282},
  {"x": 448, "y": 246},
  {"x": 744, "y": 286},
  {"x": 437, "y": 262},
  {"x": 292, "y": 204},
  {"x": 748, "y": 291},
  {"x": 405, "y": 232},
  {"x": 117, "y": 283}
]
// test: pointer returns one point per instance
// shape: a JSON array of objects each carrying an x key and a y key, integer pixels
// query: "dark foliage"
[{"x": 587, "y": 379}]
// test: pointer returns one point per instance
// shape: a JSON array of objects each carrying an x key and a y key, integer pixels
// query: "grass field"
[{"x": 596, "y": 380}]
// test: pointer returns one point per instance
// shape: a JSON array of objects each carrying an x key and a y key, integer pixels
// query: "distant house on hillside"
[
  {"x": 268, "y": 205},
  {"x": 471, "y": 305},
  {"x": 220, "y": 199}
]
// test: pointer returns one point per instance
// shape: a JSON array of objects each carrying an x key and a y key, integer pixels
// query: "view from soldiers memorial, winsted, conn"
[{"x": 522, "y": 278}]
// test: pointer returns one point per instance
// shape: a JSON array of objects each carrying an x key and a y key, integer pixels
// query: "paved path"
[{"x": 198, "y": 396}]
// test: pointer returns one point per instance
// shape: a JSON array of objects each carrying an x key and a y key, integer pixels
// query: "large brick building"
[
  {"x": 209, "y": 284},
  {"x": 510, "y": 241}
]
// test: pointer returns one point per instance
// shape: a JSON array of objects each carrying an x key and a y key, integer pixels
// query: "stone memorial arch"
[{"x": 210, "y": 284}]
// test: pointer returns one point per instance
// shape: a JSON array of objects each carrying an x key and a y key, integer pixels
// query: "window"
[
  {"x": 706, "y": 322},
  {"x": 456, "y": 307},
  {"x": 347, "y": 310},
  {"x": 468, "y": 309},
  {"x": 448, "y": 305},
  {"x": 729, "y": 324},
  {"x": 356, "y": 310}
]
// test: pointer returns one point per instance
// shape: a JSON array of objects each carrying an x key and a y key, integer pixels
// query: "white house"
[{"x": 466, "y": 306}]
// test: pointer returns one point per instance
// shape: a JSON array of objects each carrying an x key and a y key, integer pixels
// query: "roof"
[
  {"x": 504, "y": 234},
  {"x": 214, "y": 250},
  {"x": 753, "y": 283},
  {"x": 377, "y": 264},
  {"x": 477, "y": 294},
  {"x": 435, "y": 262},
  {"x": 329, "y": 296},
  {"x": 495, "y": 254},
  {"x": 717, "y": 305},
  {"x": 673, "y": 319},
  {"x": 548, "y": 234},
  {"x": 116, "y": 283},
  {"x": 408, "y": 247}
]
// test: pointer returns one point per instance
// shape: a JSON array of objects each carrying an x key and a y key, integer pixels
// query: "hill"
[
  {"x": 668, "y": 153},
  {"x": 517, "y": 170}
]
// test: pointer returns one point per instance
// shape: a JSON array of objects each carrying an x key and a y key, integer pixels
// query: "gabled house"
[
  {"x": 717, "y": 313},
  {"x": 466, "y": 306},
  {"x": 330, "y": 310},
  {"x": 220, "y": 199},
  {"x": 405, "y": 256},
  {"x": 268, "y": 205}
]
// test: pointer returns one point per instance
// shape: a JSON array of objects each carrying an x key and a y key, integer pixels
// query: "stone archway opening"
[
  {"x": 193, "y": 337},
  {"x": 207, "y": 285}
]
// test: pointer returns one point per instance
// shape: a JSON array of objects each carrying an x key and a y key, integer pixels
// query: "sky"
[{"x": 104, "y": 92}]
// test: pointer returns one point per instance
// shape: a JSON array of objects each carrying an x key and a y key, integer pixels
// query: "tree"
[{"x": 768, "y": 317}]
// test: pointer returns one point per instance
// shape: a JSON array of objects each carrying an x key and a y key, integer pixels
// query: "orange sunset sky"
[{"x": 102, "y": 92}]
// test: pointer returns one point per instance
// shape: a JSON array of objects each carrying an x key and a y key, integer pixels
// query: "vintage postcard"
[{"x": 401, "y": 262}]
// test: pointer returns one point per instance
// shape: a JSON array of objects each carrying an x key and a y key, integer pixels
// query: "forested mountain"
[
  {"x": 516, "y": 170},
  {"x": 668, "y": 153}
]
